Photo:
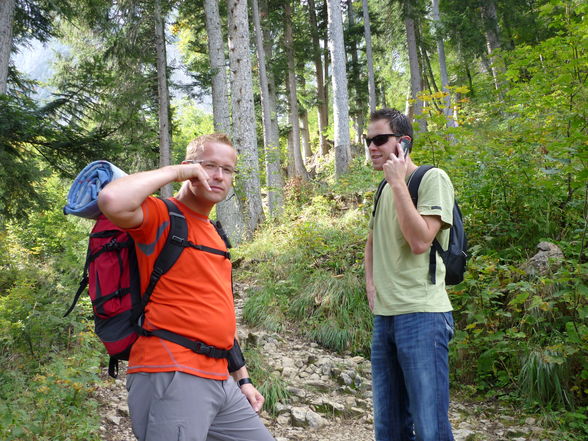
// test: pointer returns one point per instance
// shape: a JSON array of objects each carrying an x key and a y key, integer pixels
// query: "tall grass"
[
  {"x": 273, "y": 388},
  {"x": 544, "y": 377}
]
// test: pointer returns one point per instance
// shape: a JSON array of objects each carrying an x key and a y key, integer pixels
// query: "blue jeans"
[{"x": 410, "y": 376}]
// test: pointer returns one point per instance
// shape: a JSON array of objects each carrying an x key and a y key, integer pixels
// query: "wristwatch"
[{"x": 243, "y": 381}]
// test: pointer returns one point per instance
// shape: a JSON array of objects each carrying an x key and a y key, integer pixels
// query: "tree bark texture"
[
  {"x": 216, "y": 53},
  {"x": 244, "y": 127},
  {"x": 340, "y": 91},
  {"x": 274, "y": 179},
  {"x": 490, "y": 19},
  {"x": 271, "y": 83},
  {"x": 6, "y": 23},
  {"x": 294, "y": 120},
  {"x": 416, "y": 109},
  {"x": 228, "y": 212},
  {"x": 320, "y": 82},
  {"x": 163, "y": 92},
  {"x": 369, "y": 56},
  {"x": 442, "y": 65},
  {"x": 357, "y": 108}
]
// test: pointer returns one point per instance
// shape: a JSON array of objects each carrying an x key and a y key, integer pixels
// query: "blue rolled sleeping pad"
[{"x": 82, "y": 199}]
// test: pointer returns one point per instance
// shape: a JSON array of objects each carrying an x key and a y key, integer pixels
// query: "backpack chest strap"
[{"x": 187, "y": 244}]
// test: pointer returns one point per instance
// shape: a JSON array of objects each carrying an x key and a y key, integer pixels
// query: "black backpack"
[{"x": 455, "y": 257}]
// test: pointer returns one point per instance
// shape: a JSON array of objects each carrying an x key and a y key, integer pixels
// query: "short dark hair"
[{"x": 399, "y": 122}]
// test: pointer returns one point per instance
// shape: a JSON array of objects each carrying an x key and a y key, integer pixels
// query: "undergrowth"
[{"x": 520, "y": 337}]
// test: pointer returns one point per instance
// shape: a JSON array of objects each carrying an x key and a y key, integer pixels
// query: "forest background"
[{"x": 497, "y": 90}]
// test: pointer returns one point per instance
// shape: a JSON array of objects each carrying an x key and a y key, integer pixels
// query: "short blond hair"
[{"x": 196, "y": 146}]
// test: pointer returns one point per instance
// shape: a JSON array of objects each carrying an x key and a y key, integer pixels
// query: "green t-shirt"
[{"x": 402, "y": 278}]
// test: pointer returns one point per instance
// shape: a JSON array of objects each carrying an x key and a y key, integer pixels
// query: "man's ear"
[{"x": 406, "y": 143}]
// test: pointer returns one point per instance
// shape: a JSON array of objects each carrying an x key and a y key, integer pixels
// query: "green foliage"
[
  {"x": 33, "y": 140},
  {"x": 54, "y": 361},
  {"x": 526, "y": 332},
  {"x": 191, "y": 122},
  {"x": 51, "y": 401}
]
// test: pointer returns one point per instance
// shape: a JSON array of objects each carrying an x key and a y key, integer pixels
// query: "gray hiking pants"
[{"x": 174, "y": 406}]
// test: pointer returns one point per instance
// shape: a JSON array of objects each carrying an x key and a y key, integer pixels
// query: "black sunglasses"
[{"x": 379, "y": 140}]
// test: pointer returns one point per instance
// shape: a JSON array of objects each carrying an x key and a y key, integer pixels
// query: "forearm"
[
  {"x": 121, "y": 200},
  {"x": 414, "y": 228},
  {"x": 368, "y": 262},
  {"x": 240, "y": 373}
]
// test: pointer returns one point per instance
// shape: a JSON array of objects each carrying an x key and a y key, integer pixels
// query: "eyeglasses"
[
  {"x": 210, "y": 167},
  {"x": 379, "y": 140}
]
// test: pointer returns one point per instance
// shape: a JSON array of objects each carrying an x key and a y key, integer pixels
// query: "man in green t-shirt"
[{"x": 413, "y": 323}]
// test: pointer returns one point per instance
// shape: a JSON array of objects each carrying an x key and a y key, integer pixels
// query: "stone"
[
  {"x": 548, "y": 259},
  {"x": 289, "y": 372},
  {"x": 123, "y": 409},
  {"x": 298, "y": 416},
  {"x": 356, "y": 411},
  {"x": 284, "y": 419},
  {"x": 332, "y": 406},
  {"x": 252, "y": 339},
  {"x": 314, "y": 420},
  {"x": 296, "y": 391},
  {"x": 350, "y": 401},
  {"x": 113, "y": 419},
  {"x": 318, "y": 384},
  {"x": 345, "y": 379},
  {"x": 462, "y": 434}
]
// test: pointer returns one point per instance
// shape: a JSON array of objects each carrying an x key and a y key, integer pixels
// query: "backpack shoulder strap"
[
  {"x": 221, "y": 232},
  {"x": 414, "y": 181},
  {"x": 178, "y": 233},
  {"x": 378, "y": 194}
]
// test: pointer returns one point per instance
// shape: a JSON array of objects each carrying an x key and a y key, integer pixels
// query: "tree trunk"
[
  {"x": 442, "y": 65},
  {"x": 6, "y": 22},
  {"x": 163, "y": 92},
  {"x": 369, "y": 56},
  {"x": 306, "y": 149},
  {"x": 304, "y": 125},
  {"x": 492, "y": 37},
  {"x": 290, "y": 170},
  {"x": 416, "y": 109},
  {"x": 271, "y": 83},
  {"x": 340, "y": 93},
  {"x": 228, "y": 212},
  {"x": 320, "y": 83},
  {"x": 299, "y": 168},
  {"x": 357, "y": 108},
  {"x": 271, "y": 138},
  {"x": 216, "y": 53},
  {"x": 244, "y": 127}
]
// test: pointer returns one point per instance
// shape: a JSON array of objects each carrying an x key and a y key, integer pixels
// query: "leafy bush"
[{"x": 54, "y": 360}]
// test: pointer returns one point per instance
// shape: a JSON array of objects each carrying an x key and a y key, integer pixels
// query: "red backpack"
[{"x": 112, "y": 276}]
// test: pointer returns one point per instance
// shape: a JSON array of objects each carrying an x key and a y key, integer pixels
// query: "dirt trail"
[{"x": 330, "y": 398}]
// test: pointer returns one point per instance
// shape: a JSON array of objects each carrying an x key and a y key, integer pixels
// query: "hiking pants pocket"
[{"x": 168, "y": 431}]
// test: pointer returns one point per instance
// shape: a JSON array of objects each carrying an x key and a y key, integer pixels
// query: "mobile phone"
[{"x": 406, "y": 145}]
